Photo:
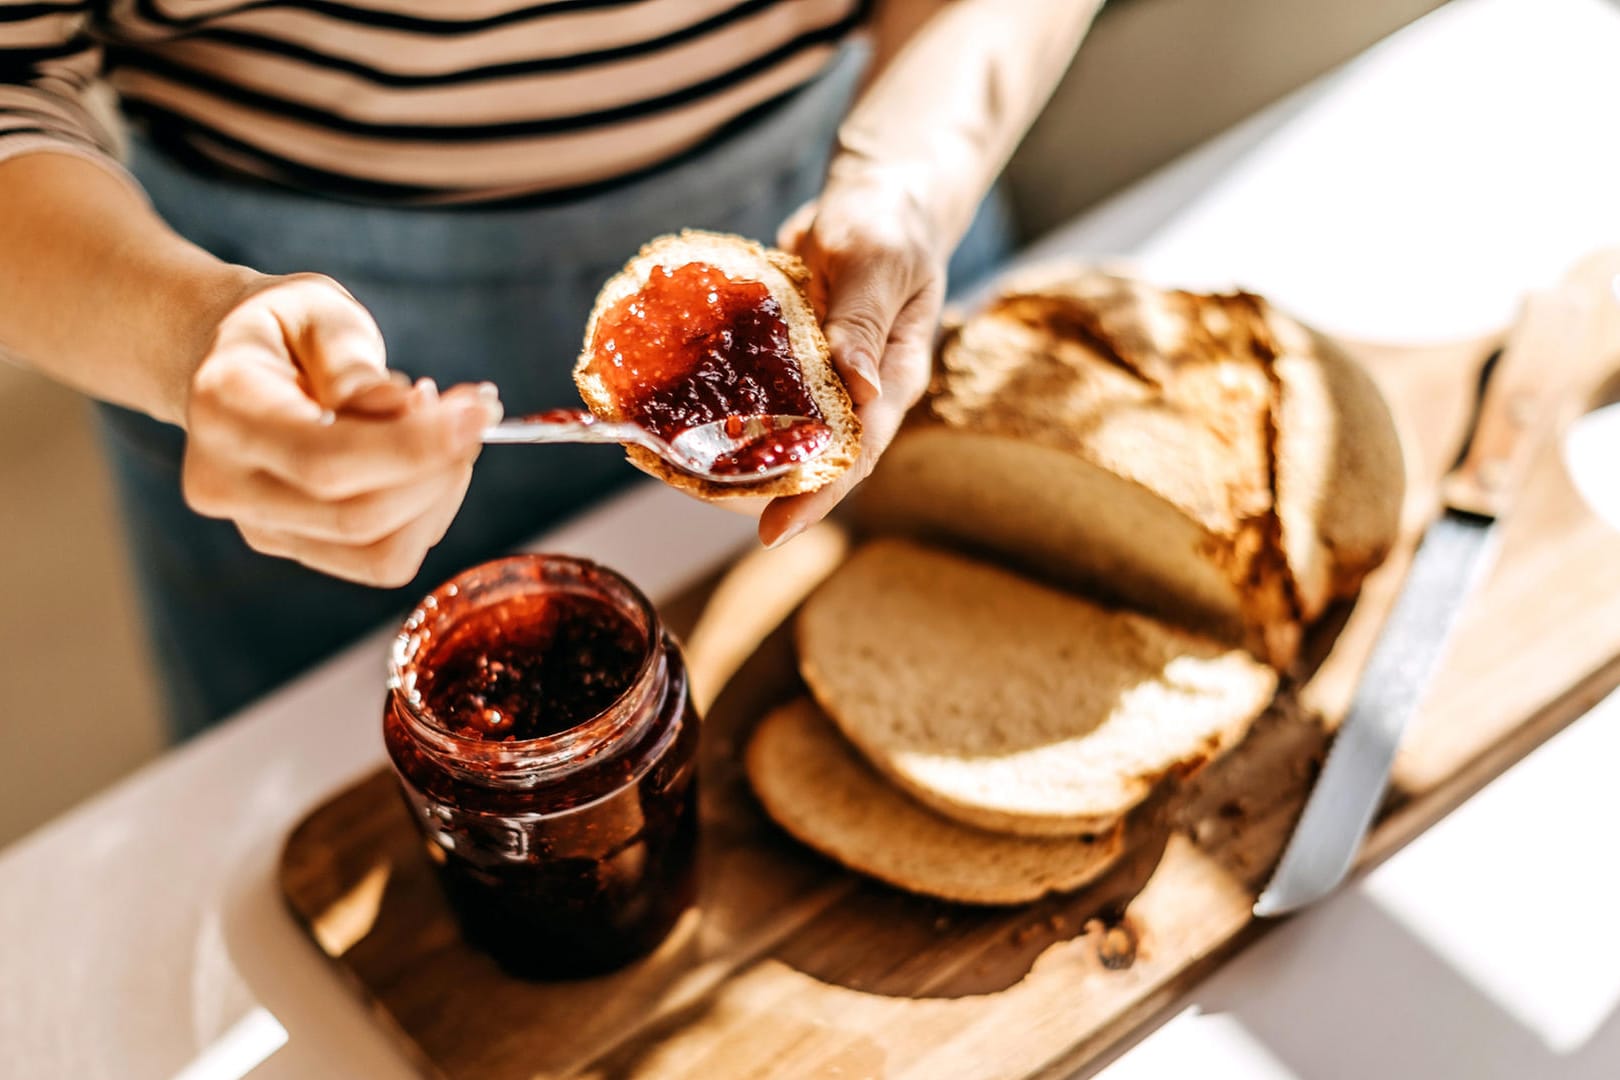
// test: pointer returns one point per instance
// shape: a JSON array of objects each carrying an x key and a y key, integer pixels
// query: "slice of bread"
[
  {"x": 1010, "y": 706},
  {"x": 787, "y": 279},
  {"x": 1204, "y": 458},
  {"x": 818, "y": 789}
]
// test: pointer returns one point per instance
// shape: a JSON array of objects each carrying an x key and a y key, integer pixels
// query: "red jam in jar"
[
  {"x": 694, "y": 346},
  {"x": 540, "y": 726}
]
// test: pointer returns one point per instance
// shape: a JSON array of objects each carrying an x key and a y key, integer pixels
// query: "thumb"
[
  {"x": 791, "y": 233},
  {"x": 338, "y": 348},
  {"x": 862, "y": 303}
]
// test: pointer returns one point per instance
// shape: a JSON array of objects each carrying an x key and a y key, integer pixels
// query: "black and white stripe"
[{"x": 398, "y": 102}]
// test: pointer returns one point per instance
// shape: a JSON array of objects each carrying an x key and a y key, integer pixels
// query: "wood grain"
[
  {"x": 1520, "y": 401},
  {"x": 799, "y": 969}
]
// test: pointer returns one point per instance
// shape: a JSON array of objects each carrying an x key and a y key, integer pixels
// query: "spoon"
[{"x": 733, "y": 450}]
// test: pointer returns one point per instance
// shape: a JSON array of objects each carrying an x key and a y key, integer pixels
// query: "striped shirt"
[{"x": 411, "y": 101}]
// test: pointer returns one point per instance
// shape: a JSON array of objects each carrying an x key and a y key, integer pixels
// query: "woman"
[{"x": 337, "y": 193}]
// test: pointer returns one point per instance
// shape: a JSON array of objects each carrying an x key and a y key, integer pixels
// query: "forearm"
[
  {"x": 948, "y": 108},
  {"x": 97, "y": 292}
]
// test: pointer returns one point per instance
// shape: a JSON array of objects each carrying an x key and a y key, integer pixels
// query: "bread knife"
[{"x": 1517, "y": 407}]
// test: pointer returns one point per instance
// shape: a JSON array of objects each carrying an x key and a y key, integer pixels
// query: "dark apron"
[{"x": 461, "y": 295}]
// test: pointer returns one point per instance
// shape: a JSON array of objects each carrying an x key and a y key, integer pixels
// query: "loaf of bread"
[
  {"x": 1011, "y": 706},
  {"x": 818, "y": 789},
  {"x": 1202, "y": 457},
  {"x": 786, "y": 280}
]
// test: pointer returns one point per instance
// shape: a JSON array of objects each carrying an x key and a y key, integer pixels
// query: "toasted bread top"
[{"x": 1259, "y": 434}]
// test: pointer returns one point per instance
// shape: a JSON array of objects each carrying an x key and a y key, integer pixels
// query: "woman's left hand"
[{"x": 877, "y": 279}]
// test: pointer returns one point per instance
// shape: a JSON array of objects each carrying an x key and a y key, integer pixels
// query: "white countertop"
[{"x": 1470, "y": 156}]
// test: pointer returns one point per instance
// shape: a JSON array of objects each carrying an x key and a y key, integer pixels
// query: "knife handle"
[{"x": 1539, "y": 366}]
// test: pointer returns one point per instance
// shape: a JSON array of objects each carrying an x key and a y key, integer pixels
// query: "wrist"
[
  {"x": 202, "y": 297},
  {"x": 928, "y": 194}
]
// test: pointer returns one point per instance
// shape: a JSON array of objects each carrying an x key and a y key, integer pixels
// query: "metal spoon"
[{"x": 733, "y": 450}]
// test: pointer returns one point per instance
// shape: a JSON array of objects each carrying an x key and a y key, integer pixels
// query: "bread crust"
[
  {"x": 817, "y": 788},
  {"x": 1257, "y": 442},
  {"x": 1038, "y": 713},
  {"x": 1340, "y": 473},
  {"x": 788, "y": 280},
  {"x": 1259, "y": 433}
]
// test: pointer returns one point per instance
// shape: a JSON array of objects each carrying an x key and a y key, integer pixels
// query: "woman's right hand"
[{"x": 299, "y": 433}]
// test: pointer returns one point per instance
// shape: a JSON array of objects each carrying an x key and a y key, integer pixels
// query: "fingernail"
[
  {"x": 490, "y": 396},
  {"x": 426, "y": 390},
  {"x": 785, "y": 535},
  {"x": 865, "y": 372},
  {"x": 399, "y": 379},
  {"x": 379, "y": 399},
  {"x": 359, "y": 381}
]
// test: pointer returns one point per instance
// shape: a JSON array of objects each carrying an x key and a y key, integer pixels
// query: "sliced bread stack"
[
  {"x": 812, "y": 781},
  {"x": 1117, "y": 510},
  {"x": 981, "y": 737}
]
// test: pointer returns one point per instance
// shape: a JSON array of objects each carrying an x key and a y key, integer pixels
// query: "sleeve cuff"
[{"x": 16, "y": 146}]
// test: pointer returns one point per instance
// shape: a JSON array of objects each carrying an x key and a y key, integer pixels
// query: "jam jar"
[{"x": 539, "y": 722}]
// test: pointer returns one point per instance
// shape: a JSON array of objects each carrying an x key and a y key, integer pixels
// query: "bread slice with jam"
[{"x": 704, "y": 326}]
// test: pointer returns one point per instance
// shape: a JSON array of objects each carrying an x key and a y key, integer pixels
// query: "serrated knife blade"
[
  {"x": 1454, "y": 555},
  {"x": 1519, "y": 399}
]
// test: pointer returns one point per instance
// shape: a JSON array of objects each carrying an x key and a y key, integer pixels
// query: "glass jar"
[{"x": 540, "y": 725}]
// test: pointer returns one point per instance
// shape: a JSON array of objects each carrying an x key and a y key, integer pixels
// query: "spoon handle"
[{"x": 563, "y": 431}]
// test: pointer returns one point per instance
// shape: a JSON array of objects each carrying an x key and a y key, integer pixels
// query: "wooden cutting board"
[{"x": 800, "y": 969}]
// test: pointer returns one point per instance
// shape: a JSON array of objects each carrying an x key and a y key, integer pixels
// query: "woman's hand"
[
  {"x": 878, "y": 282},
  {"x": 915, "y": 157},
  {"x": 298, "y": 433}
]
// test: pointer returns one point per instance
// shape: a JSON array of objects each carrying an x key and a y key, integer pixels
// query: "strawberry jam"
[
  {"x": 531, "y": 667},
  {"x": 543, "y": 737},
  {"x": 793, "y": 444},
  {"x": 694, "y": 346}
]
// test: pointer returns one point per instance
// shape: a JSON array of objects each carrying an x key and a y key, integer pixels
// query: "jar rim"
[{"x": 544, "y": 756}]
